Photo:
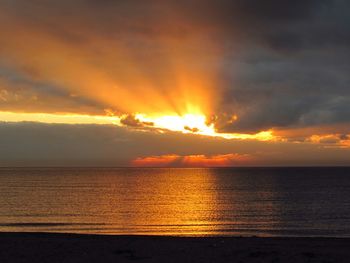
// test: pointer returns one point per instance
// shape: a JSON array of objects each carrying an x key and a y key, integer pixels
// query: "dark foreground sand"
[{"x": 21, "y": 247}]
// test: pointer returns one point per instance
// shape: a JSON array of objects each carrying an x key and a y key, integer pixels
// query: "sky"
[{"x": 174, "y": 83}]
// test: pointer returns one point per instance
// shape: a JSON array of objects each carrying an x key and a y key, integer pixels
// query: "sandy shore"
[{"x": 26, "y": 247}]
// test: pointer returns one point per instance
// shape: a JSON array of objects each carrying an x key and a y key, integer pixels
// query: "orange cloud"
[
  {"x": 221, "y": 160},
  {"x": 334, "y": 140},
  {"x": 155, "y": 161},
  {"x": 336, "y": 135}
]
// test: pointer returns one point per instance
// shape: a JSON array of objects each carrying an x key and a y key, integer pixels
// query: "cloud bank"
[{"x": 38, "y": 144}]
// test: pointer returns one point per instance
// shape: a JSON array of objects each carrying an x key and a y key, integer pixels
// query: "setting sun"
[
  {"x": 197, "y": 124},
  {"x": 187, "y": 123}
]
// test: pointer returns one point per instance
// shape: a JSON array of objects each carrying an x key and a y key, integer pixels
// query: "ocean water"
[{"x": 174, "y": 201}]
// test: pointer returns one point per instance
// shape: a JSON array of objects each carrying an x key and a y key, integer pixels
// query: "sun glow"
[
  {"x": 197, "y": 124},
  {"x": 189, "y": 123}
]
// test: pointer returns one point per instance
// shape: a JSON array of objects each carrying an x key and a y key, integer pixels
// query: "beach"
[{"x": 49, "y": 247}]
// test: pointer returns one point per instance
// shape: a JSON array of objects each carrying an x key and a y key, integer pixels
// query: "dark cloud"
[
  {"x": 191, "y": 129},
  {"x": 287, "y": 91},
  {"x": 330, "y": 140},
  {"x": 132, "y": 121}
]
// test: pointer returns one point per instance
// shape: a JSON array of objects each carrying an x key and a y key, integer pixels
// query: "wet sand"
[{"x": 39, "y": 247}]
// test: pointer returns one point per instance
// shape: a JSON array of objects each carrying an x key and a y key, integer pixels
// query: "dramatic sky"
[{"x": 174, "y": 82}]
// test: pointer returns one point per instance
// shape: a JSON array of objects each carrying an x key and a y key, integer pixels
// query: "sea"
[{"x": 312, "y": 201}]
